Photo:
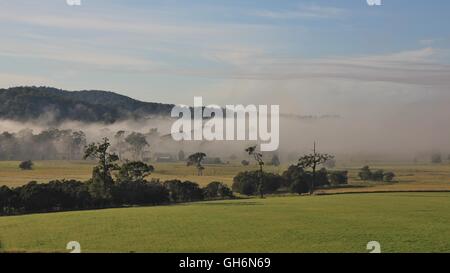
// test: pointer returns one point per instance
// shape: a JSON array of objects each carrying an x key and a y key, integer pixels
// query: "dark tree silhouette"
[
  {"x": 134, "y": 171},
  {"x": 312, "y": 161},
  {"x": 196, "y": 160},
  {"x": 258, "y": 158},
  {"x": 26, "y": 165},
  {"x": 101, "y": 182}
]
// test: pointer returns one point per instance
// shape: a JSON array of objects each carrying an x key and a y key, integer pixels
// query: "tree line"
[
  {"x": 57, "y": 144},
  {"x": 128, "y": 186}
]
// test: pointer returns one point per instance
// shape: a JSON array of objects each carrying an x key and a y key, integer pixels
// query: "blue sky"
[{"x": 315, "y": 57}]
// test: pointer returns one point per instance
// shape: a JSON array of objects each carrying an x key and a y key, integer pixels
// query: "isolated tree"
[
  {"x": 102, "y": 182},
  {"x": 258, "y": 158},
  {"x": 138, "y": 142},
  {"x": 26, "y": 165},
  {"x": 196, "y": 160},
  {"x": 312, "y": 161}
]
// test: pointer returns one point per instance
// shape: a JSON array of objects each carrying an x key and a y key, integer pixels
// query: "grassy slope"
[{"x": 401, "y": 222}]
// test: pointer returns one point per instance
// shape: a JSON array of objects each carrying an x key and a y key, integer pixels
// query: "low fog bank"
[{"x": 395, "y": 134}]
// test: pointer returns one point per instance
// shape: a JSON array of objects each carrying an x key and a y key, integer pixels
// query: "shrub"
[
  {"x": 140, "y": 193},
  {"x": 338, "y": 177},
  {"x": 247, "y": 182},
  {"x": 217, "y": 190},
  {"x": 245, "y": 162},
  {"x": 378, "y": 175},
  {"x": 26, "y": 165},
  {"x": 389, "y": 177},
  {"x": 186, "y": 191},
  {"x": 365, "y": 173},
  {"x": 297, "y": 180}
]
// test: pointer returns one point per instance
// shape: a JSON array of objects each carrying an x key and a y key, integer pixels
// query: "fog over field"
[{"x": 409, "y": 125}]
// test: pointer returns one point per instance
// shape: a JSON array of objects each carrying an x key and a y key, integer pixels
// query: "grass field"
[
  {"x": 401, "y": 222},
  {"x": 424, "y": 177}
]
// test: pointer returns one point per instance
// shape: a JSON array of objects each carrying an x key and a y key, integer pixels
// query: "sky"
[{"x": 310, "y": 57}]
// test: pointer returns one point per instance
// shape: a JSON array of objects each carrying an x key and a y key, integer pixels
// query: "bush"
[
  {"x": 365, "y": 173},
  {"x": 338, "y": 177},
  {"x": 26, "y": 165},
  {"x": 389, "y": 177},
  {"x": 245, "y": 163},
  {"x": 297, "y": 180},
  {"x": 186, "y": 191},
  {"x": 247, "y": 182},
  {"x": 217, "y": 190},
  {"x": 140, "y": 193},
  {"x": 379, "y": 175}
]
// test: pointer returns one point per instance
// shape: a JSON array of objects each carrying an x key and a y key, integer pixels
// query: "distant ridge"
[{"x": 29, "y": 103}]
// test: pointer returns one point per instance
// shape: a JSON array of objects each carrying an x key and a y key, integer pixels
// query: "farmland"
[
  {"x": 401, "y": 222},
  {"x": 410, "y": 177}
]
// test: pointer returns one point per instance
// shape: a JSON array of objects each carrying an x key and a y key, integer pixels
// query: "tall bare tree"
[
  {"x": 259, "y": 159},
  {"x": 312, "y": 161}
]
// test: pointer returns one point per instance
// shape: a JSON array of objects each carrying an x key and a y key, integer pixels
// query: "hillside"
[{"x": 56, "y": 105}]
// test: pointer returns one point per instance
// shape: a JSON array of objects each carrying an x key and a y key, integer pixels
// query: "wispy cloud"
[{"x": 303, "y": 12}]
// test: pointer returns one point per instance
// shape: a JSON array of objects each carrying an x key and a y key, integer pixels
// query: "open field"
[
  {"x": 401, "y": 222},
  {"x": 423, "y": 177}
]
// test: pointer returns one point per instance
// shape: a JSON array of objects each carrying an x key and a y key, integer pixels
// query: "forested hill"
[{"x": 55, "y": 105}]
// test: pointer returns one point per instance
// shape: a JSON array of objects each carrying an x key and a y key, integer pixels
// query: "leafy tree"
[
  {"x": 248, "y": 182},
  {"x": 258, "y": 158},
  {"x": 312, "y": 161},
  {"x": 101, "y": 182},
  {"x": 134, "y": 171},
  {"x": 338, "y": 177},
  {"x": 217, "y": 190},
  {"x": 140, "y": 192},
  {"x": 197, "y": 160},
  {"x": 186, "y": 191},
  {"x": 137, "y": 142},
  {"x": 26, "y": 165}
]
